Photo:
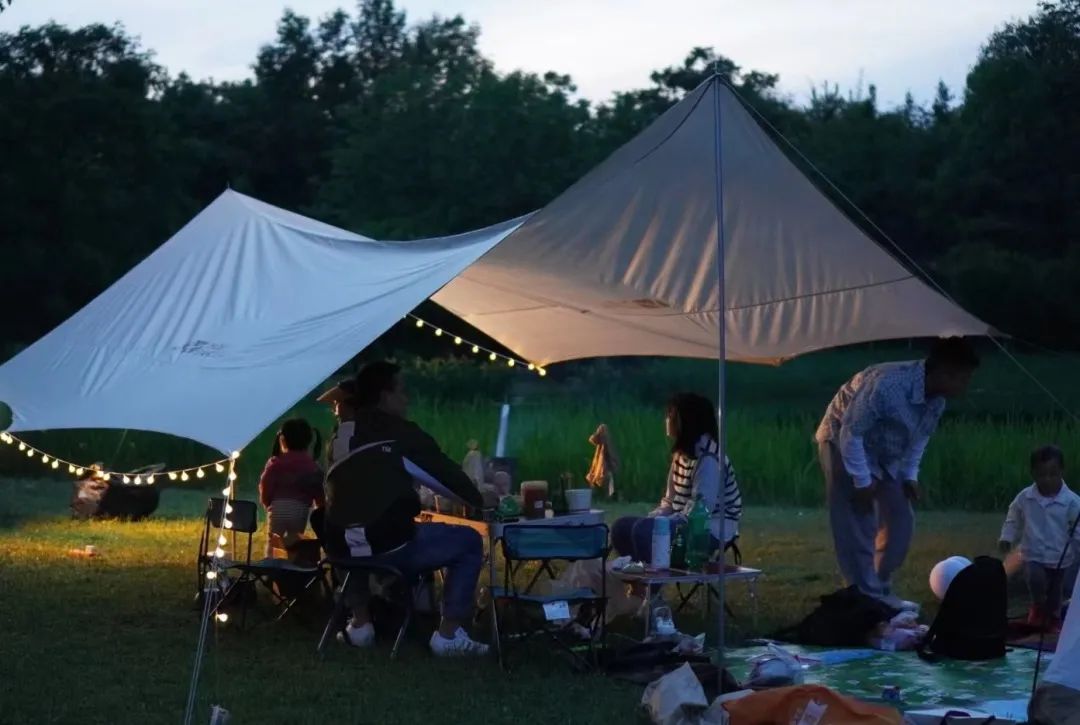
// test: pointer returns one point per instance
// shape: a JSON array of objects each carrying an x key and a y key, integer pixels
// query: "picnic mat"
[{"x": 948, "y": 682}]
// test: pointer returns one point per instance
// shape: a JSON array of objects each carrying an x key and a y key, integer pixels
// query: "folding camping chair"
[
  {"x": 366, "y": 566},
  {"x": 545, "y": 544},
  {"x": 268, "y": 572}
]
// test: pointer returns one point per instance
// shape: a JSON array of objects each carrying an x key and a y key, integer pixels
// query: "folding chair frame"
[
  {"x": 518, "y": 597},
  {"x": 366, "y": 566}
]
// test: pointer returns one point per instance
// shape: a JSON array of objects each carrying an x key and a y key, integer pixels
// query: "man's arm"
[
  {"x": 861, "y": 415},
  {"x": 426, "y": 462}
]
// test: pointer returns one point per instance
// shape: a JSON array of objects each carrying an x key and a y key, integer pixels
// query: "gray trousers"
[
  {"x": 870, "y": 545},
  {"x": 1048, "y": 586}
]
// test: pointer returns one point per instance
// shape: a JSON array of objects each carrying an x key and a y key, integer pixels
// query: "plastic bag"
[
  {"x": 776, "y": 668},
  {"x": 677, "y": 698}
]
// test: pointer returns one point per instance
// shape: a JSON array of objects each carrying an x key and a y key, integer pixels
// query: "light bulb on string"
[
  {"x": 79, "y": 472},
  {"x": 234, "y": 455},
  {"x": 532, "y": 367},
  {"x": 222, "y": 617},
  {"x": 438, "y": 332},
  {"x": 184, "y": 477},
  {"x": 227, "y": 524},
  {"x": 221, "y": 540},
  {"x": 200, "y": 473},
  {"x": 44, "y": 459},
  {"x": 219, "y": 553},
  {"x": 542, "y": 372},
  {"x": 226, "y": 491},
  {"x": 228, "y": 508},
  {"x": 475, "y": 349},
  {"x": 22, "y": 446},
  {"x": 30, "y": 453},
  {"x": 150, "y": 480},
  {"x": 71, "y": 468},
  {"x": 126, "y": 479},
  {"x": 458, "y": 340},
  {"x": 138, "y": 480},
  {"x": 55, "y": 464},
  {"x": 211, "y": 575},
  {"x": 172, "y": 476},
  {"x": 219, "y": 468},
  {"x": 510, "y": 362},
  {"x": 419, "y": 323},
  {"x": 232, "y": 475},
  {"x": 493, "y": 357}
]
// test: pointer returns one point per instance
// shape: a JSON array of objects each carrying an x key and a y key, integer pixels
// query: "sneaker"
[
  {"x": 460, "y": 646},
  {"x": 902, "y": 605},
  {"x": 363, "y": 636}
]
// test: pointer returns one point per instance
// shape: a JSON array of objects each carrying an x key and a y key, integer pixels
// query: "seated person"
[
  {"x": 1040, "y": 519},
  {"x": 342, "y": 398},
  {"x": 695, "y": 472},
  {"x": 372, "y": 503},
  {"x": 291, "y": 482}
]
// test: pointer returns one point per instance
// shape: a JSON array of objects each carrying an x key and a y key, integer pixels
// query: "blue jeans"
[
  {"x": 457, "y": 549},
  {"x": 632, "y": 536}
]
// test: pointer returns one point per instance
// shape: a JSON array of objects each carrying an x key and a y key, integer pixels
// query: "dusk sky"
[{"x": 605, "y": 45}]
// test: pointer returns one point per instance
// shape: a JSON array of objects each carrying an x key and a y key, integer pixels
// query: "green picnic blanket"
[{"x": 945, "y": 683}]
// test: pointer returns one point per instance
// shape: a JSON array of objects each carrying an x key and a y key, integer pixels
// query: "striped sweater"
[{"x": 690, "y": 478}]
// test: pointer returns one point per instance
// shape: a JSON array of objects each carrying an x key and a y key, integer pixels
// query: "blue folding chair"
[{"x": 545, "y": 544}]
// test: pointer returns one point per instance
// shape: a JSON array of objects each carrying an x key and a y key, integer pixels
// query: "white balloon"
[{"x": 944, "y": 572}]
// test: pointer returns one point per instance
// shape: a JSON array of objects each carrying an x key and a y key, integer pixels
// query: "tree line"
[{"x": 403, "y": 130}]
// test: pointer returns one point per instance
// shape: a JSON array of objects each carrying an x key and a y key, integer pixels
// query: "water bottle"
[
  {"x": 661, "y": 543},
  {"x": 697, "y": 536}
]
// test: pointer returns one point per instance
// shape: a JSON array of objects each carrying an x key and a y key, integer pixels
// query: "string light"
[
  {"x": 222, "y": 617},
  {"x": 131, "y": 478},
  {"x": 477, "y": 349}
]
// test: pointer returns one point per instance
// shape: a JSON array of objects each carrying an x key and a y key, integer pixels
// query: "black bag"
[
  {"x": 973, "y": 622},
  {"x": 844, "y": 618}
]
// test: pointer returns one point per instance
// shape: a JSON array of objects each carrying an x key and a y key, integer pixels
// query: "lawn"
[{"x": 111, "y": 640}]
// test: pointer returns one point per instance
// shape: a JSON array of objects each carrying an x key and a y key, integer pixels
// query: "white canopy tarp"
[
  {"x": 625, "y": 261},
  {"x": 227, "y": 325}
]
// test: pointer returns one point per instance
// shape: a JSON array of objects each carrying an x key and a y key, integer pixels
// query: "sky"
[{"x": 604, "y": 45}]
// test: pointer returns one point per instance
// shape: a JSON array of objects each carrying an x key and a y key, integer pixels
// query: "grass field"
[
  {"x": 111, "y": 640},
  {"x": 977, "y": 460}
]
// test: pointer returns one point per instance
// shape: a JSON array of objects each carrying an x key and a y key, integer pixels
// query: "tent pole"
[{"x": 721, "y": 370}]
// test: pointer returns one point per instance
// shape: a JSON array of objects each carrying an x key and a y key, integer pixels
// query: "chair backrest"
[
  {"x": 546, "y": 543},
  {"x": 244, "y": 515}
]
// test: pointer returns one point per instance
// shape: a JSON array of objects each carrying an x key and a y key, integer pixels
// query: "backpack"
[
  {"x": 972, "y": 622},
  {"x": 844, "y": 618}
]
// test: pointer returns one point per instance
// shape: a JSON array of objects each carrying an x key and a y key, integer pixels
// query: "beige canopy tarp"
[{"x": 625, "y": 262}]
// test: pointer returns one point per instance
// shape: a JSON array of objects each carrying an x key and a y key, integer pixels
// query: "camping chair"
[
  {"x": 366, "y": 566},
  {"x": 545, "y": 544},
  {"x": 268, "y": 572}
]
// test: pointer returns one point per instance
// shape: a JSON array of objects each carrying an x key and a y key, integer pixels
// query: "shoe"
[
  {"x": 460, "y": 646},
  {"x": 902, "y": 605},
  {"x": 363, "y": 636},
  {"x": 1037, "y": 617}
]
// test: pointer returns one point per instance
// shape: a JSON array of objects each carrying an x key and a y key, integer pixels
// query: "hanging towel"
[{"x": 605, "y": 461}]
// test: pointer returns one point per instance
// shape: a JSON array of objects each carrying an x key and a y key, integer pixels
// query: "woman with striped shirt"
[{"x": 695, "y": 473}]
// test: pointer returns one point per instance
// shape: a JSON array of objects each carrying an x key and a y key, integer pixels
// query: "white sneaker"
[
  {"x": 460, "y": 646},
  {"x": 363, "y": 636},
  {"x": 902, "y": 604}
]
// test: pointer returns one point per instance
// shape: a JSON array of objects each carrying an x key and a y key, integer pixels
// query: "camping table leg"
[{"x": 491, "y": 593}]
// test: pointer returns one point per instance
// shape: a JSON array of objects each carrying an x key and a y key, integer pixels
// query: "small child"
[
  {"x": 291, "y": 483},
  {"x": 1041, "y": 519}
]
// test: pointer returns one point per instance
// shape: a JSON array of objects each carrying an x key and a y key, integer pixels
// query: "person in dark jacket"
[{"x": 372, "y": 500}]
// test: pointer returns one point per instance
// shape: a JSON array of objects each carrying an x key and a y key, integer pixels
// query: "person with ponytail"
[{"x": 292, "y": 482}]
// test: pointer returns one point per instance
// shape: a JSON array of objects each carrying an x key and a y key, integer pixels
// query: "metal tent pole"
[{"x": 721, "y": 364}]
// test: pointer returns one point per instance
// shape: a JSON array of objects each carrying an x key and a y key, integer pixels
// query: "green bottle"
[
  {"x": 678, "y": 547},
  {"x": 697, "y": 536}
]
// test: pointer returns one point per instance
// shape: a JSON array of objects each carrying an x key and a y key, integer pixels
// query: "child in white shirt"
[{"x": 1042, "y": 518}]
